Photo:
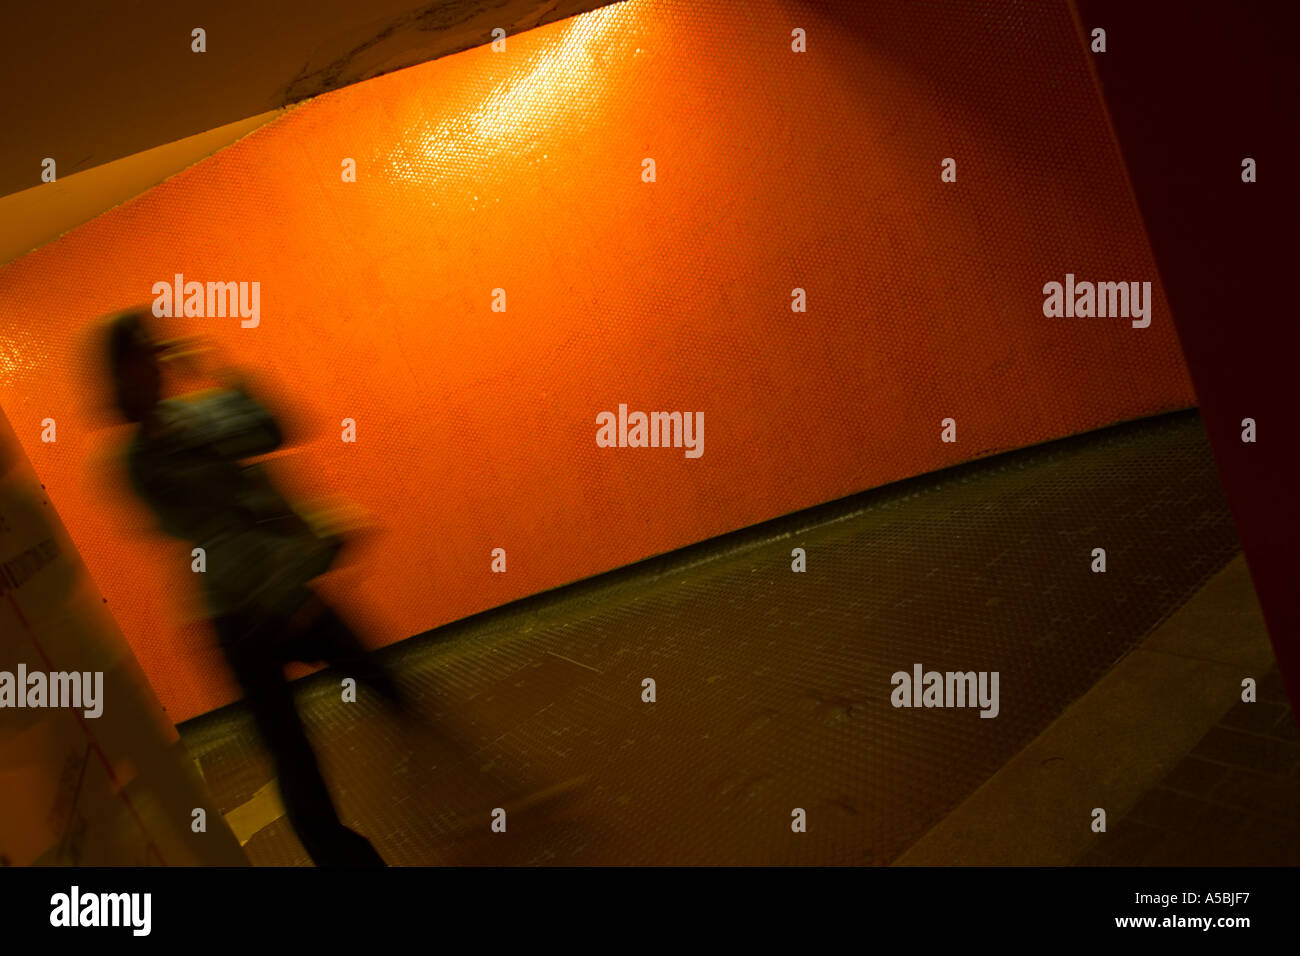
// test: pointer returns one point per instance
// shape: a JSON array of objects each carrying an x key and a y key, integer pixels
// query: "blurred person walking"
[{"x": 185, "y": 463}]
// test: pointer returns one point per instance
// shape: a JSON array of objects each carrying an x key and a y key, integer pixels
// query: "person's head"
[{"x": 133, "y": 365}]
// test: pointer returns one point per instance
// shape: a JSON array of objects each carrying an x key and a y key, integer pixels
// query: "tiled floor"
[
  {"x": 773, "y": 687},
  {"x": 1233, "y": 801}
]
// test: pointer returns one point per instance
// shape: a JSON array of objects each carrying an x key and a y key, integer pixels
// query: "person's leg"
[
  {"x": 259, "y": 668},
  {"x": 326, "y": 637}
]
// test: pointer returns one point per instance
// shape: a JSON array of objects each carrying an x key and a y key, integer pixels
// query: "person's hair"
[{"x": 128, "y": 339}]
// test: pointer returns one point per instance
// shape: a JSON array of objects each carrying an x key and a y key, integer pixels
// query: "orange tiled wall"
[{"x": 521, "y": 170}]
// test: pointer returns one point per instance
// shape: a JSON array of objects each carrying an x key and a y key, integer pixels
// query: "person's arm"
[
  {"x": 231, "y": 421},
  {"x": 238, "y": 426}
]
